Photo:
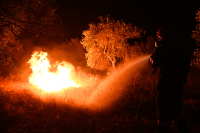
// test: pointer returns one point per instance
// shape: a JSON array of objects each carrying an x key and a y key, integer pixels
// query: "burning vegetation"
[
  {"x": 48, "y": 80},
  {"x": 74, "y": 90}
]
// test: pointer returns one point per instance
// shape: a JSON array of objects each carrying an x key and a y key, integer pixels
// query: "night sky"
[{"x": 150, "y": 15}]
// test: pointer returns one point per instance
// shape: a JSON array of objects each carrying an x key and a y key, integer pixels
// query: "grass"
[{"x": 133, "y": 112}]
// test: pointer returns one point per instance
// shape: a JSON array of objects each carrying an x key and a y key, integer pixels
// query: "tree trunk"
[{"x": 113, "y": 62}]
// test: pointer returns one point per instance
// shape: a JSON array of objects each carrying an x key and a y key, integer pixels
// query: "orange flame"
[{"x": 46, "y": 80}]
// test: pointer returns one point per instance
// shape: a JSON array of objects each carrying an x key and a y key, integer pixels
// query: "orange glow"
[
  {"x": 60, "y": 79},
  {"x": 46, "y": 80}
]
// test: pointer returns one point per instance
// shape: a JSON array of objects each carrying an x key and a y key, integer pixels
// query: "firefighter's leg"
[
  {"x": 175, "y": 112},
  {"x": 179, "y": 120},
  {"x": 164, "y": 125},
  {"x": 181, "y": 124},
  {"x": 164, "y": 120}
]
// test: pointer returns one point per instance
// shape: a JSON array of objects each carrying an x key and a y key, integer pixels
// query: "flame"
[{"x": 46, "y": 80}]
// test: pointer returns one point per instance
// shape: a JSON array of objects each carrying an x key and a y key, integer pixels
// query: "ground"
[{"x": 133, "y": 112}]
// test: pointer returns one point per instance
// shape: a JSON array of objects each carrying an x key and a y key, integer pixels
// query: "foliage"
[
  {"x": 139, "y": 48},
  {"x": 133, "y": 52},
  {"x": 106, "y": 42},
  {"x": 9, "y": 53},
  {"x": 30, "y": 17},
  {"x": 71, "y": 51},
  {"x": 196, "y": 36},
  {"x": 25, "y": 18}
]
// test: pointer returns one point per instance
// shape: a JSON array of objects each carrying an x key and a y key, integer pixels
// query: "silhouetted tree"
[
  {"x": 25, "y": 18},
  {"x": 30, "y": 17},
  {"x": 106, "y": 41},
  {"x": 196, "y": 36}
]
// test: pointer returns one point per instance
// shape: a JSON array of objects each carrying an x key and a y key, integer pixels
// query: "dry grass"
[{"x": 135, "y": 111}]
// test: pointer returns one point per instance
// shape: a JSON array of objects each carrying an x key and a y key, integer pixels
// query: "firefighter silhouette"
[{"x": 173, "y": 66}]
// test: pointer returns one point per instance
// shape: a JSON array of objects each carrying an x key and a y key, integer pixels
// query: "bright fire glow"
[{"x": 49, "y": 81}]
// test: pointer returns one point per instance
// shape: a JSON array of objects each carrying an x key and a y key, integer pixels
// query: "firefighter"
[{"x": 173, "y": 66}]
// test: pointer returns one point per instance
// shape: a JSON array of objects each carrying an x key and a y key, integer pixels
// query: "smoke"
[
  {"x": 69, "y": 51},
  {"x": 98, "y": 94}
]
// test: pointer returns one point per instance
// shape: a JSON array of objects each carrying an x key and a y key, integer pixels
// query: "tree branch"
[
  {"x": 107, "y": 55},
  {"x": 20, "y": 27},
  {"x": 11, "y": 29},
  {"x": 6, "y": 16}
]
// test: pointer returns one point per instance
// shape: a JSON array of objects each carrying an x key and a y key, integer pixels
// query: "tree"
[
  {"x": 196, "y": 36},
  {"x": 133, "y": 52},
  {"x": 70, "y": 51},
  {"x": 25, "y": 18},
  {"x": 106, "y": 42},
  {"x": 30, "y": 17}
]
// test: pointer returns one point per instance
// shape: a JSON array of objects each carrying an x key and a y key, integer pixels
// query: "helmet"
[{"x": 164, "y": 33}]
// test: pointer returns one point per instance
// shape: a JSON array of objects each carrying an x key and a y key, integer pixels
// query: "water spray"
[{"x": 100, "y": 96}]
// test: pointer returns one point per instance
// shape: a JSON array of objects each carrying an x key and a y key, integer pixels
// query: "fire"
[{"x": 46, "y": 80}]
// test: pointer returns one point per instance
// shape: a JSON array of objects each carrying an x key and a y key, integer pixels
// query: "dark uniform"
[{"x": 173, "y": 66}]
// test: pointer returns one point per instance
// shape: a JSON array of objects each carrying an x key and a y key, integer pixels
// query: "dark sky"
[{"x": 179, "y": 15}]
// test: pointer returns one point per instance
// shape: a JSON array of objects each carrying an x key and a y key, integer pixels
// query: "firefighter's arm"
[
  {"x": 152, "y": 61},
  {"x": 153, "y": 64}
]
